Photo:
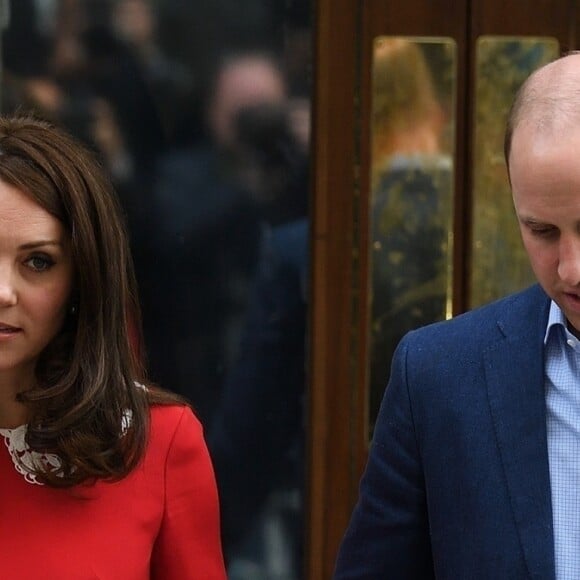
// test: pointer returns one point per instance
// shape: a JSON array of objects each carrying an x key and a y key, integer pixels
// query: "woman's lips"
[{"x": 8, "y": 329}]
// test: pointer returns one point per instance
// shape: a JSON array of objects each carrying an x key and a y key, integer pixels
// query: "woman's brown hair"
[{"x": 87, "y": 378}]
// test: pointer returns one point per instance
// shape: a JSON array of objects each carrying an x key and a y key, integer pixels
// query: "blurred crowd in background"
[{"x": 200, "y": 111}]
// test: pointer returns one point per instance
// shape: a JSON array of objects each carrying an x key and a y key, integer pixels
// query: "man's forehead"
[{"x": 544, "y": 134}]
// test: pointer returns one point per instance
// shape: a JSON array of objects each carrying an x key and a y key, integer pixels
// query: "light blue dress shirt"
[{"x": 562, "y": 384}]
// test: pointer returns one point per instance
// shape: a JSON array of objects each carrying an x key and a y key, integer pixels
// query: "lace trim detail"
[{"x": 26, "y": 461}]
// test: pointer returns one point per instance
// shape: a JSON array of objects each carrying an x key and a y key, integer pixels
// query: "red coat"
[{"x": 161, "y": 521}]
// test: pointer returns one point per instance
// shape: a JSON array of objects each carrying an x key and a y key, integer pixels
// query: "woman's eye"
[{"x": 39, "y": 263}]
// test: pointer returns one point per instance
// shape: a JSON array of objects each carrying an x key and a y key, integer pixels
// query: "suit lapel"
[{"x": 514, "y": 371}]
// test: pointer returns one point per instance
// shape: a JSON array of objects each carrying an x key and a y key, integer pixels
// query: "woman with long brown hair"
[{"x": 102, "y": 475}]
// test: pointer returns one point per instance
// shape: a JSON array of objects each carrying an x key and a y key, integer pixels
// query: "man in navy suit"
[{"x": 474, "y": 469}]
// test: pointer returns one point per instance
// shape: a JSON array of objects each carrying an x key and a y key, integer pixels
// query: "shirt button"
[{"x": 571, "y": 343}]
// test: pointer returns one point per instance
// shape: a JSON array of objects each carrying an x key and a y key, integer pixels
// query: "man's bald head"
[{"x": 549, "y": 100}]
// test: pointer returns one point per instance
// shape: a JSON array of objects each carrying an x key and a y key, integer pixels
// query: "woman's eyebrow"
[{"x": 40, "y": 243}]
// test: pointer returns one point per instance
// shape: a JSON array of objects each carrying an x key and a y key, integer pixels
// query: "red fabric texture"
[{"x": 160, "y": 522}]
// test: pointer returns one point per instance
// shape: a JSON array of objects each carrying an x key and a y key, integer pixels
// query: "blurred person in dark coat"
[
  {"x": 207, "y": 235},
  {"x": 257, "y": 435}
]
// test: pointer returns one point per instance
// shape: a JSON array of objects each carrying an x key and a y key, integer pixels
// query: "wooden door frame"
[{"x": 332, "y": 412}]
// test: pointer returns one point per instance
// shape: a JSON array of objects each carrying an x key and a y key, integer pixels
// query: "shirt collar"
[{"x": 555, "y": 318}]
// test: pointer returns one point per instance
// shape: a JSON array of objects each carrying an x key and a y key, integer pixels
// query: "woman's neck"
[{"x": 12, "y": 412}]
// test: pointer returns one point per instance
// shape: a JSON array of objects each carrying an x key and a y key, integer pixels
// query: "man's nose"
[{"x": 569, "y": 261}]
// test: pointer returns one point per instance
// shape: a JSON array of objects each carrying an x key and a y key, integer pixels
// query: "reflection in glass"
[
  {"x": 499, "y": 263},
  {"x": 412, "y": 193}
]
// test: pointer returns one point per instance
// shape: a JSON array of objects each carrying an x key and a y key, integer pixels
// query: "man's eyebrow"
[
  {"x": 530, "y": 221},
  {"x": 39, "y": 244}
]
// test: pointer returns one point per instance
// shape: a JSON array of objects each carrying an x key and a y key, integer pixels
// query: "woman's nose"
[{"x": 8, "y": 294}]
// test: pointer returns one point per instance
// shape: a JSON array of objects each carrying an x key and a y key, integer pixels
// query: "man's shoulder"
[
  {"x": 522, "y": 310},
  {"x": 461, "y": 342}
]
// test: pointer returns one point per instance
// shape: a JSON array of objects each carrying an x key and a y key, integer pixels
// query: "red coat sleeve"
[{"x": 188, "y": 544}]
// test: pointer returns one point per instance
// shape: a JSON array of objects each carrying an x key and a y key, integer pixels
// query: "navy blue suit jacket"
[{"x": 457, "y": 484}]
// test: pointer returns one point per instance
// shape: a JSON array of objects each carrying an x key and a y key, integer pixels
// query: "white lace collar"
[{"x": 26, "y": 461}]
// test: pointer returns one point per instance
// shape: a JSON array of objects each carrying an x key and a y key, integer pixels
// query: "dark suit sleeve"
[{"x": 388, "y": 535}]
